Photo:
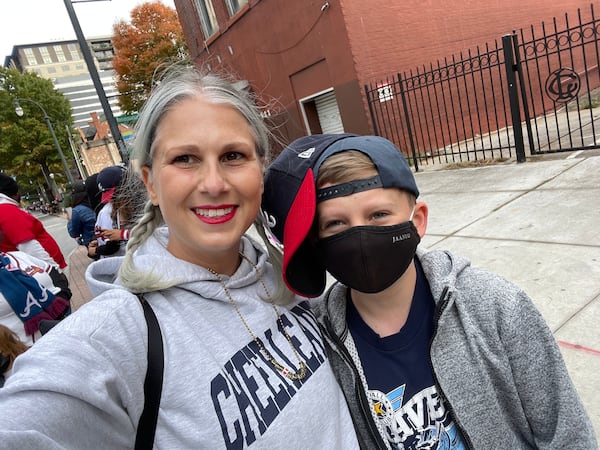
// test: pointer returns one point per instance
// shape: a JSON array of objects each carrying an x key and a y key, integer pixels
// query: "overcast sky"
[{"x": 33, "y": 21}]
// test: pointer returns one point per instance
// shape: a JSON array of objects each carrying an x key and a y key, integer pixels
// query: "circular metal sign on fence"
[{"x": 563, "y": 85}]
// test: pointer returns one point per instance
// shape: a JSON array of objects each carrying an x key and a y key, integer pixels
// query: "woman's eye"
[
  {"x": 182, "y": 159},
  {"x": 232, "y": 156}
]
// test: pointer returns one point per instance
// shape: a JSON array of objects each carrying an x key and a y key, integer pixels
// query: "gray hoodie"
[
  {"x": 81, "y": 385},
  {"x": 494, "y": 360}
]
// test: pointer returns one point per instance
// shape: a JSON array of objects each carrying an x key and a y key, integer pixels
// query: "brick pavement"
[{"x": 78, "y": 263}]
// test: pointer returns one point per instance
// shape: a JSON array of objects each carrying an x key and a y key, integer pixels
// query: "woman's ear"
[
  {"x": 146, "y": 173},
  {"x": 420, "y": 218}
]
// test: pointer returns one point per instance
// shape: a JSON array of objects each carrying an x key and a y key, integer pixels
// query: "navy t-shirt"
[{"x": 400, "y": 380}]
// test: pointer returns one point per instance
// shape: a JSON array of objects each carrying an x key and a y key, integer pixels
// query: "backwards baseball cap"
[
  {"x": 108, "y": 180},
  {"x": 290, "y": 197}
]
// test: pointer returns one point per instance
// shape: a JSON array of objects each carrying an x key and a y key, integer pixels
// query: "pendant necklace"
[{"x": 301, "y": 373}]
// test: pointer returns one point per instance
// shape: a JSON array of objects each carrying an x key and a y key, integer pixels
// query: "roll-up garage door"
[{"x": 329, "y": 113}]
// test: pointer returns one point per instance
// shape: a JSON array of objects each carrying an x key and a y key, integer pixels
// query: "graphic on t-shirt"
[{"x": 420, "y": 423}]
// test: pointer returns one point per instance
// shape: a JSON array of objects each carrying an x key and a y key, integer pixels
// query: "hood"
[
  {"x": 442, "y": 269},
  {"x": 6, "y": 200},
  {"x": 153, "y": 257}
]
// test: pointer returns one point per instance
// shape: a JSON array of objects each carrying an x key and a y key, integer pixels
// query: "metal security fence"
[
  {"x": 524, "y": 93},
  {"x": 559, "y": 69}
]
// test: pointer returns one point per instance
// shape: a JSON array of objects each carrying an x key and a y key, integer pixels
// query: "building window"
[
  {"x": 74, "y": 50},
  {"x": 208, "y": 19},
  {"x": 51, "y": 69},
  {"x": 65, "y": 68},
  {"x": 31, "y": 60},
  {"x": 234, "y": 6},
  {"x": 45, "y": 55},
  {"x": 60, "y": 55}
]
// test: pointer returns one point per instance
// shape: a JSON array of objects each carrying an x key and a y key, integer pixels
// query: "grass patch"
[{"x": 476, "y": 163}]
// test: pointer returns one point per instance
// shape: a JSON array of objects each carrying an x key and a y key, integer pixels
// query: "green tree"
[
  {"x": 152, "y": 41},
  {"x": 27, "y": 149}
]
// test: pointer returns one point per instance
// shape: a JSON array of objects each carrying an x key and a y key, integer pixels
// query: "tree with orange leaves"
[{"x": 152, "y": 41}]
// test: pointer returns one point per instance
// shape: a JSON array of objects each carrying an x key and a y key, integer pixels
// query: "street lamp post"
[{"x": 19, "y": 111}]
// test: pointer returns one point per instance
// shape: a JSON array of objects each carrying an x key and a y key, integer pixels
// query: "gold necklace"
[{"x": 301, "y": 373}]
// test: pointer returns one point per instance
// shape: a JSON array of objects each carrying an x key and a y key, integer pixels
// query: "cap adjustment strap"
[{"x": 352, "y": 187}]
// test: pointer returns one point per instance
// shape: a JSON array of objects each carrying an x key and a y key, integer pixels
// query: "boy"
[{"x": 430, "y": 352}]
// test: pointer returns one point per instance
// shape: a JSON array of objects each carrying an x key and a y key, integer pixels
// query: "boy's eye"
[
  {"x": 331, "y": 224},
  {"x": 379, "y": 215}
]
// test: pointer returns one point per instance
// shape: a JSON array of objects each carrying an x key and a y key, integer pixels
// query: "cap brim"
[
  {"x": 302, "y": 271},
  {"x": 108, "y": 195}
]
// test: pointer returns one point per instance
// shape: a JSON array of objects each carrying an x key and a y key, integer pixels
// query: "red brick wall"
[
  {"x": 277, "y": 44},
  {"x": 403, "y": 35}
]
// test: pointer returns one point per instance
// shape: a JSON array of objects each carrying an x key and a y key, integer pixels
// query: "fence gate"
[
  {"x": 523, "y": 94},
  {"x": 559, "y": 75}
]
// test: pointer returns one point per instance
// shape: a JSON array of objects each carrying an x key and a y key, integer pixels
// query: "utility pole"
[{"x": 89, "y": 60}]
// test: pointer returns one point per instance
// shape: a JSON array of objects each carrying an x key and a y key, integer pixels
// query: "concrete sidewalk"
[
  {"x": 537, "y": 224},
  {"x": 78, "y": 263}
]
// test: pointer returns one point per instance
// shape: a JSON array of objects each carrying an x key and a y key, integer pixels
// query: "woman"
[{"x": 239, "y": 371}]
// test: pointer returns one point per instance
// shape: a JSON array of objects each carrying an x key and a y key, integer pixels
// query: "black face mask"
[{"x": 370, "y": 258}]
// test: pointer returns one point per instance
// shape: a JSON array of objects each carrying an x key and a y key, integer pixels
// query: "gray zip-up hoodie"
[
  {"x": 81, "y": 386},
  {"x": 494, "y": 359}
]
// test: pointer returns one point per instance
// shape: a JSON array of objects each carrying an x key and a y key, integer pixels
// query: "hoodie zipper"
[
  {"x": 362, "y": 398},
  {"x": 442, "y": 305}
]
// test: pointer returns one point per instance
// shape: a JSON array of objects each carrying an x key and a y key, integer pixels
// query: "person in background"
[
  {"x": 430, "y": 352},
  {"x": 10, "y": 347},
  {"x": 22, "y": 231},
  {"x": 109, "y": 179},
  {"x": 31, "y": 290},
  {"x": 244, "y": 363},
  {"x": 81, "y": 217},
  {"x": 93, "y": 193},
  {"x": 125, "y": 207}
]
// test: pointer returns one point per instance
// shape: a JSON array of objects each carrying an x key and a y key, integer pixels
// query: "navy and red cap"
[
  {"x": 108, "y": 180},
  {"x": 290, "y": 197}
]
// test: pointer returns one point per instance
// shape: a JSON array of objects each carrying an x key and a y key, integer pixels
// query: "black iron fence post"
[
  {"x": 513, "y": 95},
  {"x": 408, "y": 125},
  {"x": 519, "y": 68},
  {"x": 371, "y": 111}
]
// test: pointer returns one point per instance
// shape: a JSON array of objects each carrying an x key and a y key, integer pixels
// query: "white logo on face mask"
[
  {"x": 306, "y": 153},
  {"x": 400, "y": 238}
]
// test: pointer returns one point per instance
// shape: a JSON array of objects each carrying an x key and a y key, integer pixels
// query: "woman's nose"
[{"x": 212, "y": 179}]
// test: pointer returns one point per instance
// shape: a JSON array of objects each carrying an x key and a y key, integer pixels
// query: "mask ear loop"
[{"x": 410, "y": 219}]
